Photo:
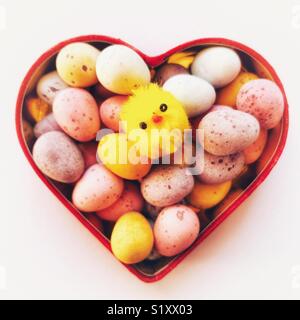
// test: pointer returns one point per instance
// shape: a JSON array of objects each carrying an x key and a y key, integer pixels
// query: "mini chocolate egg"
[
  {"x": 132, "y": 238},
  {"x": 76, "y": 112},
  {"x": 227, "y": 95},
  {"x": 58, "y": 157},
  {"x": 195, "y": 94},
  {"x": 89, "y": 152},
  {"x": 47, "y": 124},
  {"x": 121, "y": 70},
  {"x": 206, "y": 196},
  {"x": 217, "y": 65},
  {"x": 167, "y": 185},
  {"x": 76, "y": 64},
  {"x": 255, "y": 150},
  {"x": 121, "y": 157},
  {"x": 36, "y": 109},
  {"x": 27, "y": 131},
  {"x": 110, "y": 112},
  {"x": 49, "y": 85},
  {"x": 227, "y": 131},
  {"x": 130, "y": 200},
  {"x": 264, "y": 100},
  {"x": 175, "y": 230},
  {"x": 218, "y": 169},
  {"x": 168, "y": 71},
  {"x": 98, "y": 189}
]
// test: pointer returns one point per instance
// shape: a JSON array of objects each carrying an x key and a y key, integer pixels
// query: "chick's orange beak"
[{"x": 157, "y": 119}]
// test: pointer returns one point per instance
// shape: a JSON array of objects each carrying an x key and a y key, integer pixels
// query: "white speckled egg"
[
  {"x": 58, "y": 157},
  {"x": 120, "y": 69},
  {"x": 195, "y": 94},
  {"x": 217, "y": 65},
  {"x": 49, "y": 85},
  {"x": 227, "y": 131},
  {"x": 98, "y": 189},
  {"x": 175, "y": 230},
  {"x": 218, "y": 169},
  {"x": 167, "y": 185}
]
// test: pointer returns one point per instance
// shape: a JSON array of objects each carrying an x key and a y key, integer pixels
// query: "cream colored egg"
[{"x": 121, "y": 70}]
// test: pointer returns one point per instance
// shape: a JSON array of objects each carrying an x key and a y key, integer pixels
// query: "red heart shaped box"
[{"x": 276, "y": 143}]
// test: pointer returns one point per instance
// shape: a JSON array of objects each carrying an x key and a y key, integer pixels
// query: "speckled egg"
[
  {"x": 227, "y": 131},
  {"x": 120, "y": 69},
  {"x": 168, "y": 71},
  {"x": 110, "y": 112},
  {"x": 195, "y": 94},
  {"x": 49, "y": 85},
  {"x": 206, "y": 196},
  {"x": 76, "y": 112},
  {"x": 263, "y": 99},
  {"x": 167, "y": 185},
  {"x": 46, "y": 125},
  {"x": 97, "y": 189},
  {"x": 227, "y": 95},
  {"x": 255, "y": 150},
  {"x": 130, "y": 200},
  {"x": 218, "y": 169},
  {"x": 217, "y": 65},
  {"x": 58, "y": 157},
  {"x": 89, "y": 152},
  {"x": 175, "y": 230},
  {"x": 76, "y": 64},
  {"x": 132, "y": 238}
]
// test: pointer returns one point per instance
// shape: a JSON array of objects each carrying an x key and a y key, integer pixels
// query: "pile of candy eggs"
[{"x": 150, "y": 210}]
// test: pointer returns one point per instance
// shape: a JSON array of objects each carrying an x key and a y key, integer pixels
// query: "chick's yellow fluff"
[{"x": 140, "y": 113}]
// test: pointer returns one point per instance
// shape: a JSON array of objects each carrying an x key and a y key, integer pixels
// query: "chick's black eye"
[
  {"x": 143, "y": 125},
  {"x": 163, "y": 107}
]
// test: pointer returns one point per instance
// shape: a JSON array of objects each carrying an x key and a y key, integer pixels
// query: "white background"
[{"x": 46, "y": 253}]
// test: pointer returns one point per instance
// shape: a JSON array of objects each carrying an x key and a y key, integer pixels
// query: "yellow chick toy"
[{"x": 156, "y": 119}]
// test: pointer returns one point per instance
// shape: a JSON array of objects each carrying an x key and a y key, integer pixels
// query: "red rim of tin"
[{"x": 152, "y": 62}]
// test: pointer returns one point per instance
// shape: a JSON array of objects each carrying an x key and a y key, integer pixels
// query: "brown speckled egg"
[
  {"x": 77, "y": 113},
  {"x": 46, "y": 125},
  {"x": 175, "y": 229},
  {"x": 110, "y": 112},
  {"x": 263, "y": 99},
  {"x": 167, "y": 71},
  {"x": 167, "y": 185},
  {"x": 97, "y": 189},
  {"x": 130, "y": 200},
  {"x": 227, "y": 131},
  {"x": 218, "y": 169},
  {"x": 58, "y": 157}
]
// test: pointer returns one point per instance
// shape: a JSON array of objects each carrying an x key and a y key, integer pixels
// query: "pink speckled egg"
[
  {"x": 76, "y": 112},
  {"x": 110, "y": 112},
  {"x": 227, "y": 131},
  {"x": 130, "y": 200},
  {"x": 175, "y": 229},
  {"x": 97, "y": 189},
  {"x": 263, "y": 99},
  {"x": 89, "y": 152}
]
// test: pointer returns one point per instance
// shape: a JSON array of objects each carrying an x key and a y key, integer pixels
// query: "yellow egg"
[
  {"x": 76, "y": 64},
  {"x": 132, "y": 238},
  {"x": 37, "y": 109},
  {"x": 185, "y": 59},
  {"x": 121, "y": 156},
  {"x": 205, "y": 196},
  {"x": 227, "y": 96}
]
